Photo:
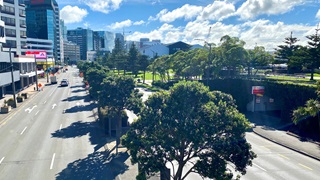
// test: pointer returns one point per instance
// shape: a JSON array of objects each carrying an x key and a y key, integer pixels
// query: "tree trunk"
[
  {"x": 144, "y": 76},
  {"x": 312, "y": 72},
  {"x": 119, "y": 129}
]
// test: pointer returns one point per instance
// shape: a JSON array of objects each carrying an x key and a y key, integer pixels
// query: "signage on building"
[
  {"x": 258, "y": 90},
  {"x": 38, "y": 54}
]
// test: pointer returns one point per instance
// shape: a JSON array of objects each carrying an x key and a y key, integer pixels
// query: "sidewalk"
[
  {"x": 269, "y": 127},
  {"x": 29, "y": 90}
]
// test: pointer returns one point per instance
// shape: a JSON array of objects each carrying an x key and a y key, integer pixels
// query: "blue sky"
[{"x": 257, "y": 22}]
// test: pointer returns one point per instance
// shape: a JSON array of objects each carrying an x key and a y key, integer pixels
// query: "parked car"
[{"x": 64, "y": 82}]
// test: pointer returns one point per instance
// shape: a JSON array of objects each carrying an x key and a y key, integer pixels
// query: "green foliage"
[{"x": 189, "y": 122}]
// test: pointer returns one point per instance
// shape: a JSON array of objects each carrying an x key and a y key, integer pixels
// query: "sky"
[{"x": 257, "y": 22}]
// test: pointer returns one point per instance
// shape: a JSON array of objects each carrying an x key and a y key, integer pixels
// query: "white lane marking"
[
  {"x": 52, "y": 161},
  {"x": 1, "y": 160},
  {"x": 23, "y": 130},
  {"x": 54, "y": 105},
  {"x": 60, "y": 127},
  {"x": 37, "y": 112},
  {"x": 44, "y": 102},
  {"x": 259, "y": 167},
  {"x": 78, "y": 104},
  {"x": 30, "y": 109},
  {"x": 51, "y": 93}
]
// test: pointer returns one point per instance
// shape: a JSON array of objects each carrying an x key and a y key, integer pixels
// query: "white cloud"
[
  {"x": 122, "y": 24},
  {"x": 126, "y": 23},
  {"x": 270, "y": 35},
  {"x": 318, "y": 14},
  {"x": 160, "y": 14},
  {"x": 104, "y": 6},
  {"x": 72, "y": 14},
  {"x": 218, "y": 10},
  {"x": 186, "y": 11},
  {"x": 139, "y": 23},
  {"x": 253, "y": 8}
]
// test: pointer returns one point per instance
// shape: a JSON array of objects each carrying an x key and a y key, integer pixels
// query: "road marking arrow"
[{"x": 30, "y": 109}]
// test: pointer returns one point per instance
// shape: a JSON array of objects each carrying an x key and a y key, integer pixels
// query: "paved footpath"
[{"x": 31, "y": 91}]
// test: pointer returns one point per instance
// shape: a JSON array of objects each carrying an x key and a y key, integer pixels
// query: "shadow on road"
[
  {"x": 97, "y": 165},
  {"x": 80, "y": 108},
  {"x": 75, "y": 98}
]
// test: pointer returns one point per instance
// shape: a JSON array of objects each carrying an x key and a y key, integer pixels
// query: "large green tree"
[
  {"x": 233, "y": 53},
  {"x": 258, "y": 58},
  {"x": 285, "y": 52},
  {"x": 190, "y": 125},
  {"x": 133, "y": 60},
  {"x": 314, "y": 51},
  {"x": 117, "y": 94}
]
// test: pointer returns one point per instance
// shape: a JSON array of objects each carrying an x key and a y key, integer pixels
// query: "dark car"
[{"x": 64, "y": 82}]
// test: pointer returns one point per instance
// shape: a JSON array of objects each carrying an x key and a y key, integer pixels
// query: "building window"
[
  {"x": 8, "y": 21},
  {"x": 7, "y": 10},
  {"x": 22, "y": 12},
  {"x": 11, "y": 32},
  {"x": 1, "y": 31}
]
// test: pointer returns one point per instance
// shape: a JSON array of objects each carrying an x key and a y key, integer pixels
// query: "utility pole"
[
  {"x": 36, "y": 69},
  {"x": 12, "y": 79}
]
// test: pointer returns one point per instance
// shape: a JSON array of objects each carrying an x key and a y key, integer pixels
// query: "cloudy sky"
[{"x": 257, "y": 22}]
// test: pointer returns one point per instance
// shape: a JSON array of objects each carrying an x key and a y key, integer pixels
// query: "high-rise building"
[
  {"x": 14, "y": 17},
  {"x": 83, "y": 38},
  {"x": 103, "y": 41},
  {"x": 43, "y": 22}
]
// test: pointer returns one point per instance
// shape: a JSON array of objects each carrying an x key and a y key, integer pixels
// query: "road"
[{"x": 53, "y": 136}]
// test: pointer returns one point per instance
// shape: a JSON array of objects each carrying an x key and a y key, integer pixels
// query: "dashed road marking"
[
  {"x": 23, "y": 130},
  {"x": 1, "y": 160},
  {"x": 283, "y": 156},
  {"x": 259, "y": 167},
  {"x": 305, "y": 167},
  {"x": 52, "y": 160}
]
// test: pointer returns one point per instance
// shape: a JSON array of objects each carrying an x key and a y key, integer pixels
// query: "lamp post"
[
  {"x": 12, "y": 79},
  {"x": 35, "y": 61}
]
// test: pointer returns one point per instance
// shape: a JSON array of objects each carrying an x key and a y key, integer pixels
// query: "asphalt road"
[{"x": 54, "y": 136}]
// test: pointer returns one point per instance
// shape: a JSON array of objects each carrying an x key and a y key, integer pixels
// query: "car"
[{"x": 64, "y": 82}]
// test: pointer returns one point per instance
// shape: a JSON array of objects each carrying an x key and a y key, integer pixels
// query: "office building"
[
  {"x": 83, "y": 38},
  {"x": 103, "y": 41},
  {"x": 71, "y": 52},
  {"x": 43, "y": 22}
]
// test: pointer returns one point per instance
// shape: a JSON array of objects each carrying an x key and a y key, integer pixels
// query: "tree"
[
  {"x": 233, "y": 53},
  {"x": 311, "y": 108},
  {"x": 143, "y": 65},
  {"x": 190, "y": 123},
  {"x": 95, "y": 76},
  {"x": 314, "y": 51},
  {"x": 258, "y": 57},
  {"x": 133, "y": 58},
  {"x": 118, "y": 94},
  {"x": 119, "y": 57},
  {"x": 285, "y": 52}
]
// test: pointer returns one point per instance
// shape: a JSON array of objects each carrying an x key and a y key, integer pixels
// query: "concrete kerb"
[{"x": 284, "y": 145}]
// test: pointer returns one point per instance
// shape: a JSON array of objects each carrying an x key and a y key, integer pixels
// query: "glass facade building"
[{"x": 42, "y": 19}]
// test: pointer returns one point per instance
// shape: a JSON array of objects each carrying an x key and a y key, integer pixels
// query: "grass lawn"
[{"x": 293, "y": 79}]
